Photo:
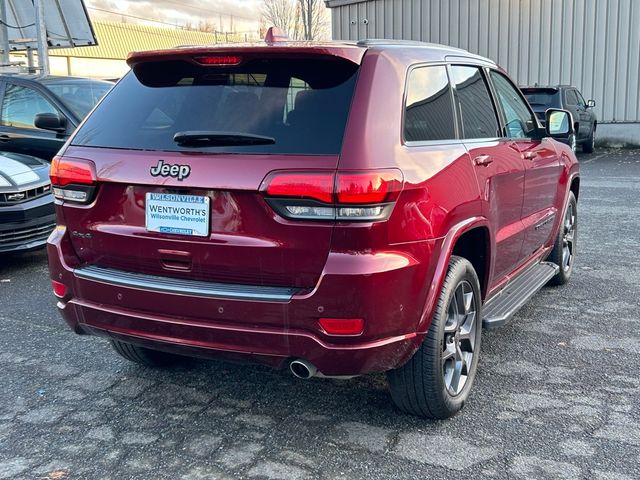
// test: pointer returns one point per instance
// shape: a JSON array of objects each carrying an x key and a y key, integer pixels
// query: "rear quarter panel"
[{"x": 440, "y": 187}]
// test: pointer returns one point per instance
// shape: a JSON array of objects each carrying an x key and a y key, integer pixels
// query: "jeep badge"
[{"x": 165, "y": 170}]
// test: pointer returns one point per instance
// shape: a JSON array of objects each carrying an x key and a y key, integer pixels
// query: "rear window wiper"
[{"x": 193, "y": 138}]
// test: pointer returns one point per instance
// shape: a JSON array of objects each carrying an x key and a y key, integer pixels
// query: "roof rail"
[{"x": 370, "y": 42}]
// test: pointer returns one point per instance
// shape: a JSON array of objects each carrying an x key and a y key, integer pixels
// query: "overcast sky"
[{"x": 245, "y": 14}]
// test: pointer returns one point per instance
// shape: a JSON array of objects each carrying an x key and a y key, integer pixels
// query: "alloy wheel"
[
  {"x": 569, "y": 237},
  {"x": 459, "y": 338}
]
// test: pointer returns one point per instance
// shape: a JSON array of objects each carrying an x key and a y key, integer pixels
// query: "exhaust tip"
[{"x": 302, "y": 369}]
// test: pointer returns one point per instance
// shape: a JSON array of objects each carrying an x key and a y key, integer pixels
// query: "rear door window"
[
  {"x": 302, "y": 104},
  {"x": 429, "y": 106},
  {"x": 477, "y": 114},
  {"x": 21, "y": 105}
]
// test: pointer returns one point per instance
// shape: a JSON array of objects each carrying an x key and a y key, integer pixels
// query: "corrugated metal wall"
[
  {"x": 592, "y": 44},
  {"x": 116, "y": 40}
]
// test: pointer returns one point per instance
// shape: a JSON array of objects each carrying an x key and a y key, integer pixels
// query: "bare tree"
[
  {"x": 300, "y": 19},
  {"x": 314, "y": 18},
  {"x": 283, "y": 14},
  {"x": 202, "y": 26}
]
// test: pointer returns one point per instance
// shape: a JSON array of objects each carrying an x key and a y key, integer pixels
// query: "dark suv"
[
  {"x": 336, "y": 209},
  {"x": 570, "y": 99},
  {"x": 39, "y": 113}
]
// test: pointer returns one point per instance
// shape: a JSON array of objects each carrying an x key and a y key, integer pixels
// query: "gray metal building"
[{"x": 592, "y": 44}]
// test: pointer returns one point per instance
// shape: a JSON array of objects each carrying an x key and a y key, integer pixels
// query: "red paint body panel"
[{"x": 388, "y": 273}]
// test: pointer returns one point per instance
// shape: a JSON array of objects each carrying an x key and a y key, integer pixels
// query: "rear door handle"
[
  {"x": 529, "y": 155},
  {"x": 4, "y": 138},
  {"x": 482, "y": 160}
]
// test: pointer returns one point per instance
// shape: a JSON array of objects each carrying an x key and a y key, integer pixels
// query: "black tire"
[
  {"x": 144, "y": 356},
  {"x": 420, "y": 387},
  {"x": 589, "y": 145},
  {"x": 567, "y": 238}
]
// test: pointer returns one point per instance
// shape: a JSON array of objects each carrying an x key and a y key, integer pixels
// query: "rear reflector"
[
  {"x": 342, "y": 326},
  {"x": 218, "y": 60},
  {"x": 59, "y": 289}
]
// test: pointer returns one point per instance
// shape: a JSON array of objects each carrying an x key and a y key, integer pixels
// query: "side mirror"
[
  {"x": 591, "y": 103},
  {"x": 51, "y": 121},
  {"x": 559, "y": 123}
]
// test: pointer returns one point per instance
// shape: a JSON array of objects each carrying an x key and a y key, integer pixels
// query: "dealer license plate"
[{"x": 177, "y": 214}]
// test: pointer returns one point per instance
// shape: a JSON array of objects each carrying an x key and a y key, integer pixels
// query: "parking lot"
[{"x": 556, "y": 396}]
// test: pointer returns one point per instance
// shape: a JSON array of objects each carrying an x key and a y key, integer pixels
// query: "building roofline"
[{"x": 340, "y": 3}]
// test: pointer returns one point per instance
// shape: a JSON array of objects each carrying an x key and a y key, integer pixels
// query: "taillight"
[
  {"x": 73, "y": 179},
  {"x": 318, "y": 186},
  {"x": 346, "y": 196}
]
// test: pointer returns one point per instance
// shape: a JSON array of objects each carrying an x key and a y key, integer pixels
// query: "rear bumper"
[
  {"x": 269, "y": 346},
  {"x": 386, "y": 290}
]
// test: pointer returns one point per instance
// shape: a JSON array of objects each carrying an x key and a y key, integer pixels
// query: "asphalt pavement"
[{"x": 557, "y": 394}]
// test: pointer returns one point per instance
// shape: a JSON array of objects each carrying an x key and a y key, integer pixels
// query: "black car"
[
  {"x": 567, "y": 98},
  {"x": 39, "y": 113},
  {"x": 26, "y": 204}
]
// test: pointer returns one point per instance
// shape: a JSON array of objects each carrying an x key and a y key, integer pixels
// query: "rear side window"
[
  {"x": 21, "y": 105},
  {"x": 302, "y": 104},
  {"x": 429, "y": 106},
  {"x": 477, "y": 114}
]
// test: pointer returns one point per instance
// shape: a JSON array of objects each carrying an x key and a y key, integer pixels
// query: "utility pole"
[
  {"x": 43, "y": 43},
  {"x": 4, "y": 34}
]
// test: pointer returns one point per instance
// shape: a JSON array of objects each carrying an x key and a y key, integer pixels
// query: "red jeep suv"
[{"x": 336, "y": 209}]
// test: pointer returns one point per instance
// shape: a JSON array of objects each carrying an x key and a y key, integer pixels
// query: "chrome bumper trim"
[{"x": 178, "y": 286}]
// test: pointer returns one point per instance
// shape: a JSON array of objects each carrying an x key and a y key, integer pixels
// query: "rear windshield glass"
[
  {"x": 301, "y": 104},
  {"x": 542, "y": 98}
]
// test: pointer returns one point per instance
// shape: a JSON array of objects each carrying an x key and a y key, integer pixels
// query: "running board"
[{"x": 518, "y": 291}]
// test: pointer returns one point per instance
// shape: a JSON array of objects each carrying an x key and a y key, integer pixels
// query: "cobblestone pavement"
[{"x": 556, "y": 396}]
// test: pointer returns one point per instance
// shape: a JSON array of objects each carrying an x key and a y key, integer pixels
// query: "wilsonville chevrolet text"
[{"x": 334, "y": 209}]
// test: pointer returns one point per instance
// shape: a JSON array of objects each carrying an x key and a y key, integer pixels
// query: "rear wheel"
[
  {"x": 564, "y": 250},
  {"x": 590, "y": 145},
  {"x": 436, "y": 381},
  {"x": 144, "y": 356}
]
